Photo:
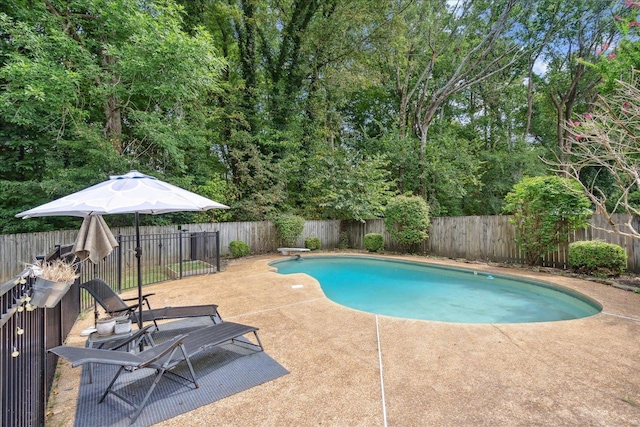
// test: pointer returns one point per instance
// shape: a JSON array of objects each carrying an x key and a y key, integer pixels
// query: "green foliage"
[
  {"x": 343, "y": 240},
  {"x": 597, "y": 258},
  {"x": 322, "y": 109},
  {"x": 92, "y": 89},
  {"x": 545, "y": 210},
  {"x": 260, "y": 181},
  {"x": 500, "y": 170},
  {"x": 289, "y": 228},
  {"x": 451, "y": 167},
  {"x": 407, "y": 220},
  {"x": 238, "y": 248},
  {"x": 373, "y": 242},
  {"x": 312, "y": 243},
  {"x": 215, "y": 189},
  {"x": 616, "y": 61},
  {"x": 343, "y": 186}
]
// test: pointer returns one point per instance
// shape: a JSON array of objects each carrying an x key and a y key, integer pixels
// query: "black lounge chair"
[
  {"x": 161, "y": 357},
  {"x": 114, "y": 305}
]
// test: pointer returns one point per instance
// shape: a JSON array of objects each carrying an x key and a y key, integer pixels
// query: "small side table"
[{"x": 96, "y": 340}]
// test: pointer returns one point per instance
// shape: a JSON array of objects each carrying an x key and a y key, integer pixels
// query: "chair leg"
[
  {"x": 258, "y": 339},
  {"x": 160, "y": 371},
  {"x": 137, "y": 406},
  {"x": 108, "y": 390},
  {"x": 140, "y": 407},
  {"x": 188, "y": 360},
  {"x": 189, "y": 365}
]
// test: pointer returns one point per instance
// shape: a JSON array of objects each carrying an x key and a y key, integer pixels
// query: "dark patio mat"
[{"x": 221, "y": 372}]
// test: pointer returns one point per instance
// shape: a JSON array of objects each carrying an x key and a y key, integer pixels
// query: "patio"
[{"x": 579, "y": 372}]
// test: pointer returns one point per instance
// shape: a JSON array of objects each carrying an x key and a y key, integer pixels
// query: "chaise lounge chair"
[
  {"x": 114, "y": 305},
  {"x": 161, "y": 357}
]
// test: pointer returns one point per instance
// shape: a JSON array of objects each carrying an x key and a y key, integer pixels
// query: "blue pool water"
[{"x": 420, "y": 291}]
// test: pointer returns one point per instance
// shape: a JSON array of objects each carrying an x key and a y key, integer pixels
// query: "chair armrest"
[
  {"x": 128, "y": 310},
  {"x": 145, "y": 299},
  {"x": 135, "y": 298},
  {"x": 163, "y": 353}
]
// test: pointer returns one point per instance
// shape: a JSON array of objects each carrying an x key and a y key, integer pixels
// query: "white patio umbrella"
[{"x": 133, "y": 192}]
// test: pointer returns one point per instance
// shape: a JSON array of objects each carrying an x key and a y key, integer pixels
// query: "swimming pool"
[{"x": 422, "y": 291}]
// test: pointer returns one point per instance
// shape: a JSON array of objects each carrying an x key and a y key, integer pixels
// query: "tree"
[
  {"x": 603, "y": 155},
  {"x": 432, "y": 37},
  {"x": 406, "y": 219},
  {"x": 616, "y": 60},
  {"x": 340, "y": 186},
  {"x": 545, "y": 210},
  {"x": 92, "y": 88},
  {"x": 254, "y": 101},
  {"x": 456, "y": 72},
  {"x": 571, "y": 83}
]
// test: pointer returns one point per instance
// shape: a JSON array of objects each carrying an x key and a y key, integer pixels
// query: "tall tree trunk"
[
  {"x": 112, "y": 111},
  {"x": 527, "y": 128}
]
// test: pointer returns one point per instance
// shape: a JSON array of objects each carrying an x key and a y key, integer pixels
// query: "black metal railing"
[
  {"x": 166, "y": 256},
  {"x": 27, "y": 369}
]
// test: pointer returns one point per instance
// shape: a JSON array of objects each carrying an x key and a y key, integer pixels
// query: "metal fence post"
[
  {"x": 119, "y": 263},
  {"x": 218, "y": 251},
  {"x": 184, "y": 230}
]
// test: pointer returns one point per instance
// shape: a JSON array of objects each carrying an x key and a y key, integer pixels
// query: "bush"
[
  {"x": 289, "y": 228},
  {"x": 406, "y": 219},
  {"x": 312, "y": 243},
  {"x": 238, "y": 248},
  {"x": 545, "y": 210},
  {"x": 597, "y": 258},
  {"x": 343, "y": 240},
  {"x": 373, "y": 242}
]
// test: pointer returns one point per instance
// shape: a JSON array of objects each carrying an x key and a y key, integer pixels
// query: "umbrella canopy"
[
  {"x": 133, "y": 192},
  {"x": 95, "y": 240},
  {"x": 129, "y": 193}
]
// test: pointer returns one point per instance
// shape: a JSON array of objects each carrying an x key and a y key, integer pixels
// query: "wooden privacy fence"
[
  {"x": 16, "y": 250},
  {"x": 488, "y": 238},
  {"x": 492, "y": 238}
]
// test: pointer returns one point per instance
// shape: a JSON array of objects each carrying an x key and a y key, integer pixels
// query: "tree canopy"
[{"x": 323, "y": 109}]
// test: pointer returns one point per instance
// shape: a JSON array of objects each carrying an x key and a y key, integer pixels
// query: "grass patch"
[
  {"x": 149, "y": 275},
  {"x": 190, "y": 268}
]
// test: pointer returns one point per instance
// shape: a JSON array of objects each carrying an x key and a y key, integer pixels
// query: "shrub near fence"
[{"x": 489, "y": 238}]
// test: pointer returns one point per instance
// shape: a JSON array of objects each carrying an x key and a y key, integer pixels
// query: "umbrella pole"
[{"x": 138, "y": 256}]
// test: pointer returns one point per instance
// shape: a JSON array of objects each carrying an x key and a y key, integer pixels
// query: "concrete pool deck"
[{"x": 350, "y": 368}]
